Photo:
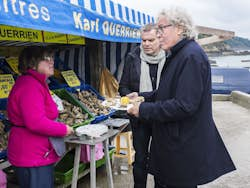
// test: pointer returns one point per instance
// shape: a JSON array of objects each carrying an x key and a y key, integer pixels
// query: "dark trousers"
[
  {"x": 35, "y": 177},
  {"x": 141, "y": 138},
  {"x": 159, "y": 184}
]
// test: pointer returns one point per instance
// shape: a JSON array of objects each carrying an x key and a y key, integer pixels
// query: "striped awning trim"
[{"x": 114, "y": 10}]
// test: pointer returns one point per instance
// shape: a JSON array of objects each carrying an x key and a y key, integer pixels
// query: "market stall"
[{"x": 88, "y": 35}]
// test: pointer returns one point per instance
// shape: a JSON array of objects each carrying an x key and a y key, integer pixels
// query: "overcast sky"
[{"x": 232, "y": 15}]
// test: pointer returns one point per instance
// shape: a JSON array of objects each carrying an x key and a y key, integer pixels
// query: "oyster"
[
  {"x": 93, "y": 104},
  {"x": 72, "y": 114}
]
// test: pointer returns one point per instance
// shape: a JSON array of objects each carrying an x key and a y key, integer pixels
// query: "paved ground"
[{"x": 233, "y": 123}]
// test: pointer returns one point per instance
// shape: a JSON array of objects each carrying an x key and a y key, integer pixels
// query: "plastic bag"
[
  {"x": 85, "y": 152},
  {"x": 59, "y": 145},
  {"x": 3, "y": 179},
  {"x": 108, "y": 84}
]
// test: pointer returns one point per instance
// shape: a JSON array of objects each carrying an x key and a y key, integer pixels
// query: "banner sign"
[
  {"x": 73, "y": 39},
  {"x": 20, "y": 34},
  {"x": 62, "y": 17},
  {"x": 51, "y": 37},
  {"x": 30, "y": 35}
]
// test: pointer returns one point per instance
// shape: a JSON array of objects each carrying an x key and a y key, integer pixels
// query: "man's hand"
[
  {"x": 132, "y": 95},
  {"x": 134, "y": 110}
]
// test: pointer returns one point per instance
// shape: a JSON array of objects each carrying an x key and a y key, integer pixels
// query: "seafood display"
[
  {"x": 71, "y": 114},
  {"x": 3, "y": 137},
  {"x": 3, "y": 134},
  {"x": 122, "y": 103},
  {"x": 93, "y": 104}
]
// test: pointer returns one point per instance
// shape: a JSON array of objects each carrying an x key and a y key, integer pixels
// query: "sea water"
[{"x": 232, "y": 61}]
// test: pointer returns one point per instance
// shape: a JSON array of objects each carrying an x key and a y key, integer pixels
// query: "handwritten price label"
[
  {"x": 13, "y": 63},
  {"x": 6, "y": 83},
  {"x": 71, "y": 78}
]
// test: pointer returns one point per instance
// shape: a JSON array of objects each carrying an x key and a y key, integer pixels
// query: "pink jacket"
[{"x": 31, "y": 107}]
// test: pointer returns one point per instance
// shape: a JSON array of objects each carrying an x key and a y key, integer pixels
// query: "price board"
[
  {"x": 71, "y": 78},
  {"x": 13, "y": 63},
  {"x": 6, "y": 83}
]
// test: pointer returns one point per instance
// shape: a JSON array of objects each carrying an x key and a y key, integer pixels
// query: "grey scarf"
[{"x": 145, "y": 80}]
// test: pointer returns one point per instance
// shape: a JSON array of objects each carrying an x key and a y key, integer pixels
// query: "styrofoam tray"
[
  {"x": 115, "y": 104},
  {"x": 93, "y": 130}
]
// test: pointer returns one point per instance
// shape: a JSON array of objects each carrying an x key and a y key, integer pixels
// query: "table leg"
[
  {"x": 108, "y": 165},
  {"x": 92, "y": 167},
  {"x": 76, "y": 166}
]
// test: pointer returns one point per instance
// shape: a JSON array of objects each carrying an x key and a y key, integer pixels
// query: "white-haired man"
[{"x": 186, "y": 148}]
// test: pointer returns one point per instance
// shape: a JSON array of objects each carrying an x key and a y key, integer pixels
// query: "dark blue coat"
[
  {"x": 130, "y": 80},
  {"x": 186, "y": 146}
]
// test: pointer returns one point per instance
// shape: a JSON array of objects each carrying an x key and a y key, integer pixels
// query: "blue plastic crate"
[
  {"x": 55, "y": 84},
  {"x": 2, "y": 116},
  {"x": 103, "y": 117},
  {"x": 3, "y": 104},
  {"x": 86, "y": 87},
  {"x": 3, "y": 154}
]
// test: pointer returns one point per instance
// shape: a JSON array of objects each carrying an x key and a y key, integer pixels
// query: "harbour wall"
[{"x": 238, "y": 97}]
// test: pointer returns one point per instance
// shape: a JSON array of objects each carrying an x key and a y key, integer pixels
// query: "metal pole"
[
  {"x": 76, "y": 166},
  {"x": 92, "y": 167},
  {"x": 108, "y": 164}
]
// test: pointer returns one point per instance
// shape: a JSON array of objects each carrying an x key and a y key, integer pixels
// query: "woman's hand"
[{"x": 70, "y": 130}]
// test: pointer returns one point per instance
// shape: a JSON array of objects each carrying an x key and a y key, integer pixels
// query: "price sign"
[
  {"x": 71, "y": 78},
  {"x": 13, "y": 63},
  {"x": 6, "y": 83}
]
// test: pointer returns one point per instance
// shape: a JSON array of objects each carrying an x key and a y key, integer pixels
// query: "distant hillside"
[
  {"x": 229, "y": 46},
  {"x": 238, "y": 43}
]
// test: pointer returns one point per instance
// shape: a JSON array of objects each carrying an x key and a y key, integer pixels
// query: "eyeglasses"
[
  {"x": 160, "y": 28},
  {"x": 48, "y": 58}
]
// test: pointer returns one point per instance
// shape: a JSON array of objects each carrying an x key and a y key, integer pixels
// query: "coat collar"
[
  {"x": 173, "y": 51},
  {"x": 38, "y": 76},
  {"x": 176, "y": 48}
]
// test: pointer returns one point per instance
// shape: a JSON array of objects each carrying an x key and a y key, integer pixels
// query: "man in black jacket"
[
  {"x": 186, "y": 149},
  {"x": 141, "y": 73}
]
